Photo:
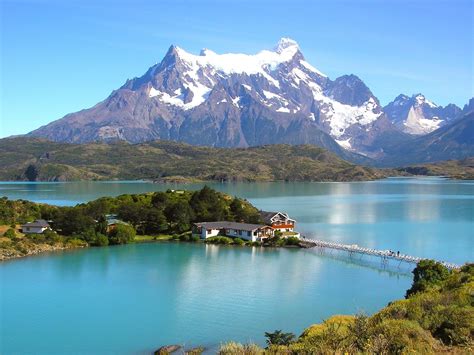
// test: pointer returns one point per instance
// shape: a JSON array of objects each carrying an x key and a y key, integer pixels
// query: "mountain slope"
[
  {"x": 33, "y": 159},
  {"x": 232, "y": 100},
  {"x": 453, "y": 141}
]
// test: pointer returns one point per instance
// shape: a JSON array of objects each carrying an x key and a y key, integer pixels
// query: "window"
[{"x": 249, "y": 233}]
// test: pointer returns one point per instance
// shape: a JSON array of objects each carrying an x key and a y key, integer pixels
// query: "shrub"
[
  {"x": 76, "y": 242},
  {"x": 427, "y": 273},
  {"x": 51, "y": 236},
  {"x": 10, "y": 233},
  {"x": 122, "y": 234},
  {"x": 396, "y": 336},
  {"x": 101, "y": 240},
  {"x": 239, "y": 241},
  {"x": 233, "y": 348},
  {"x": 37, "y": 238},
  {"x": 292, "y": 241},
  {"x": 219, "y": 240},
  {"x": 184, "y": 237},
  {"x": 279, "y": 338}
]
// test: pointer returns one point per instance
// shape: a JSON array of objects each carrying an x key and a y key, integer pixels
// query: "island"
[{"x": 206, "y": 215}]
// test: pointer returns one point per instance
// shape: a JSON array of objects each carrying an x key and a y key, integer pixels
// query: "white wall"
[{"x": 33, "y": 230}]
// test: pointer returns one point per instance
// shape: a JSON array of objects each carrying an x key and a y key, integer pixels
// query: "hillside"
[
  {"x": 456, "y": 169},
  {"x": 39, "y": 160},
  {"x": 453, "y": 141},
  {"x": 436, "y": 317}
]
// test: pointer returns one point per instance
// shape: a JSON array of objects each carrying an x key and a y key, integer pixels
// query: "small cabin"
[
  {"x": 36, "y": 227},
  {"x": 246, "y": 231}
]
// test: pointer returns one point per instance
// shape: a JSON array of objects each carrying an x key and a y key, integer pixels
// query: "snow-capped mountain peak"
[
  {"x": 238, "y": 63},
  {"x": 417, "y": 115},
  {"x": 234, "y": 99},
  {"x": 285, "y": 44},
  {"x": 421, "y": 99}
]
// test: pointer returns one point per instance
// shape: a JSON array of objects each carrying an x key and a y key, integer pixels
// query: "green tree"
[
  {"x": 132, "y": 212},
  {"x": 32, "y": 172},
  {"x": 72, "y": 220},
  {"x": 208, "y": 205},
  {"x": 279, "y": 338},
  {"x": 427, "y": 273},
  {"x": 155, "y": 221},
  {"x": 237, "y": 209},
  {"x": 101, "y": 225},
  {"x": 180, "y": 215},
  {"x": 159, "y": 200},
  {"x": 122, "y": 234}
]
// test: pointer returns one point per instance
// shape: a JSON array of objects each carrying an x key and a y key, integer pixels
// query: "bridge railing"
[{"x": 385, "y": 254}]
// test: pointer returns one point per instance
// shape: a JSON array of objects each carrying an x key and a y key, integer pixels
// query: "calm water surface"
[{"x": 134, "y": 298}]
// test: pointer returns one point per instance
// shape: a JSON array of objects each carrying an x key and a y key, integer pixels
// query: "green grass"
[{"x": 152, "y": 238}]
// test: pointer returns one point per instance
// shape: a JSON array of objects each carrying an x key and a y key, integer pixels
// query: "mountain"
[
  {"x": 455, "y": 140},
  {"x": 417, "y": 115},
  {"x": 469, "y": 107},
  {"x": 233, "y": 100}
]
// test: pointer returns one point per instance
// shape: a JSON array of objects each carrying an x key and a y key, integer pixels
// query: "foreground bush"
[{"x": 233, "y": 348}]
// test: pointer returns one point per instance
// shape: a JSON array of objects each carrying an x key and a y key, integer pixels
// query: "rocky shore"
[{"x": 22, "y": 248}]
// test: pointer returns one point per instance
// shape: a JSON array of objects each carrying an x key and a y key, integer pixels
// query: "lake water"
[{"x": 135, "y": 298}]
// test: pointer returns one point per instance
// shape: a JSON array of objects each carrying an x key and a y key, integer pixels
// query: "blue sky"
[{"x": 61, "y": 56}]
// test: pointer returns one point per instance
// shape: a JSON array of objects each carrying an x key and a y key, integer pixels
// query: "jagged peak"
[
  {"x": 284, "y": 43},
  {"x": 420, "y": 99},
  {"x": 229, "y": 63}
]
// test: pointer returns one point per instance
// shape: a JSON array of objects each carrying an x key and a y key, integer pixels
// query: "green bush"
[
  {"x": 233, "y": 348},
  {"x": 76, "y": 242},
  {"x": 101, "y": 240},
  {"x": 184, "y": 238},
  {"x": 219, "y": 240},
  {"x": 122, "y": 234},
  {"x": 292, "y": 241},
  {"x": 10, "y": 233},
  {"x": 37, "y": 238},
  {"x": 51, "y": 237},
  {"x": 428, "y": 273},
  {"x": 239, "y": 241}
]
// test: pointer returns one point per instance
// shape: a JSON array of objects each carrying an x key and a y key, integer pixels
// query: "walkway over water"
[{"x": 385, "y": 255}]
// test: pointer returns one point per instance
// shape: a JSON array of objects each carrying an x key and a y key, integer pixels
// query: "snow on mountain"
[
  {"x": 416, "y": 115},
  {"x": 273, "y": 96}
]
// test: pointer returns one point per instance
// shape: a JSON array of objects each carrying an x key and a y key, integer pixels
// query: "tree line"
[{"x": 170, "y": 212}]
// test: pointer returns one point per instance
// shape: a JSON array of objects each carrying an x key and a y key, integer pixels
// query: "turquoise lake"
[{"x": 132, "y": 299}]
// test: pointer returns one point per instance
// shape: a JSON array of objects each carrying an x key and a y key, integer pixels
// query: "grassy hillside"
[
  {"x": 436, "y": 317},
  {"x": 38, "y": 160},
  {"x": 457, "y": 169}
]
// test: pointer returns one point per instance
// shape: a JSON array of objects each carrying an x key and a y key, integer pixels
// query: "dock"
[{"x": 384, "y": 255}]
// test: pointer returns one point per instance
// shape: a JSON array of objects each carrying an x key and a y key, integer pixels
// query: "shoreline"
[{"x": 45, "y": 248}]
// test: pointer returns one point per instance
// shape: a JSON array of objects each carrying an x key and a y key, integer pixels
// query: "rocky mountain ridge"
[{"x": 240, "y": 100}]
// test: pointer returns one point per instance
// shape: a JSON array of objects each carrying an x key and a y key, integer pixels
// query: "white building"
[
  {"x": 36, "y": 227},
  {"x": 246, "y": 231}
]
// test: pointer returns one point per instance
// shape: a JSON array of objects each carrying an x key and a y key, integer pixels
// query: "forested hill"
[{"x": 39, "y": 160}]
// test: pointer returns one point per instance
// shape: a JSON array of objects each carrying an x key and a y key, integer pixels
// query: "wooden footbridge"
[{"x": 384, "y": 255}]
